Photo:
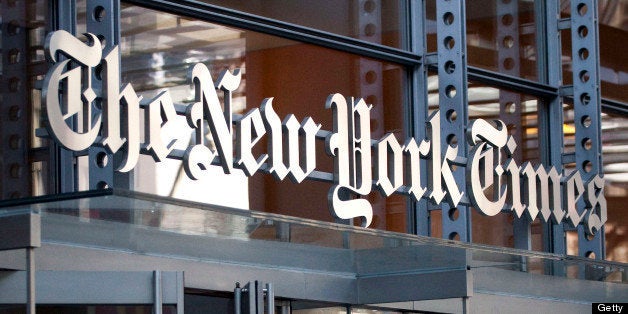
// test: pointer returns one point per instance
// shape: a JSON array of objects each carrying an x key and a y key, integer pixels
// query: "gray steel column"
[
  {"x": 30, "y": 281},
  {"x": 14, "y": 118},
  {"x": 180, "y": 293},
  {"x": 551, "y": 114},
  {"x": 157, "y": 293},
  {"x": 587, "y": 108},
  {"x": 452, "y": 82},
  {"x": 237, "y": 299},
  {"x": 509, "y": 62},
  {"x": 103, "y": 21},
  {"x": 418, "y": 107},
  {"x": 269, "y": 307},
  {"x": 369, "y": 28},
  {"x": 63, "y": 167},
  {"x": 368, "y": 14}
]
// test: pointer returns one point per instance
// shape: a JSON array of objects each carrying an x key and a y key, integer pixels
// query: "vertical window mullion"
[
  {"x": 551, "y": 119},
  {"x": 417, "y": 108}
]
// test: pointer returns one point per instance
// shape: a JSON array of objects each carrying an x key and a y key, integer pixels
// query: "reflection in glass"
[
  {"x": 615, "y": 158},
  {"x": 376, "y": 21},
  {"x": 520, "y": 114},
  {"x": 501, "y": 37},
  {"x": 320, "y": 310},
  {"x": 158, "y": 49}
]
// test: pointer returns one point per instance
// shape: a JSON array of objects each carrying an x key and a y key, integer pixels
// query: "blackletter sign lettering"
[{"x": 495, "y": 182}]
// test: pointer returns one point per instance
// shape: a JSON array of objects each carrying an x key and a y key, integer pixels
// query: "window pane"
[
  {"x": 614, "y": 139},
  {"x": 613, "y": 33},
  {"x": 615, "y": 158},
  {"x": 375, "y": 21},
  {"x": 519, "y": 112},
  {"x": 501, "y": 37},
  {"x": 157, "y": 51},
  {"x": 613, "y": 59}
]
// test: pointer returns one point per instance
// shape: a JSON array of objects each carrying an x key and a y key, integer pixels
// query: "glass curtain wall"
[
  {"x": 300, "y": 71},
  {"x": 157, "y": 50}
]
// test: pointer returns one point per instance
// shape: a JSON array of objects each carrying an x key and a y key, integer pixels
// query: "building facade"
[{"x": 354, "y": 156}]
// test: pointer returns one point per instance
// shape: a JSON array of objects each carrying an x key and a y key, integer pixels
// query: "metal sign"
[{"x": 495, "y": 182}]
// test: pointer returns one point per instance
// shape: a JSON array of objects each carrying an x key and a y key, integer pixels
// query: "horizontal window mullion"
[
  {"x": 615, "y": 107},
  {"x": 213, "y": 13},
  {"x": 511, "y": 82}
]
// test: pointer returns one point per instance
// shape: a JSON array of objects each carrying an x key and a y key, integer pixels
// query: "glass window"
[
  {"x": 615, "y": 159},
  {"x": 376, "y": 21},
  {"x": 157, "y": 51},
  {"x": 520, "y": 114},
  {"x": 613, "y": 32},
  {"x": 501, "y": 37},
  {"x": 615, "y": 170}
]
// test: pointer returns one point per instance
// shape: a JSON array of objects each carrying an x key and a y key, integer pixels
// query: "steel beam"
[
  {"x": 15, "y": 115},
  {"x": 452, "y": 82},
  {"x": 513, "y": 83},
  {"x": 587, "y": 109},
  {"x": 370, "y": 80},
  {"x": 551, "y": 113},
  {"x": 103, "y": 21}
]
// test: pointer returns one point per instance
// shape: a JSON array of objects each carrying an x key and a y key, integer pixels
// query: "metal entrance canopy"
[{"x": 120, "y": 231}]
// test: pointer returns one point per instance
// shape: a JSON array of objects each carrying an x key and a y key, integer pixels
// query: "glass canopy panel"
[{"x": 153, "y": 225}]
